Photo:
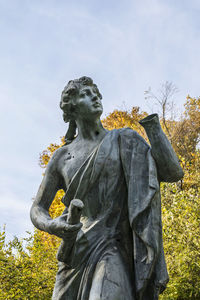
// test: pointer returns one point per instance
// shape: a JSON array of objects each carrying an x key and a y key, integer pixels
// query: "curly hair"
[
  {"x": 68, "y": 103},
  {"x": 70, "y": 93}
]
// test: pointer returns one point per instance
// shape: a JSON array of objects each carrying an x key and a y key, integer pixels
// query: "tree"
[
  {"x": 28, "y": 266},
  {"x": 164, "y": 103},
  {"x": 121, "y": 119},
  {"x": 181, "y": 231}
]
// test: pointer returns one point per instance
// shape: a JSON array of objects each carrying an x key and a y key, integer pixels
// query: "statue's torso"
[
  {"x": 105, "y": 202},
  {"x": 106, "y": 234},
  {"x": 72, "y": 158}
]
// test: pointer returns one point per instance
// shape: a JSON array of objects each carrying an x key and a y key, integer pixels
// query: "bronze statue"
[{"x": 115, "y": 251}]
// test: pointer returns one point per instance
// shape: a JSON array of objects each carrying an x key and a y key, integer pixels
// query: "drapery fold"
[{"x": 144, "y": 208}]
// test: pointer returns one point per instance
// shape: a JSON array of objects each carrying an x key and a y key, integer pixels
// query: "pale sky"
[{"x": 126, "y": 46}]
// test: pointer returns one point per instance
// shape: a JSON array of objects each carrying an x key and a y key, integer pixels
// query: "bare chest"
[{"x": 72, "y": 159}]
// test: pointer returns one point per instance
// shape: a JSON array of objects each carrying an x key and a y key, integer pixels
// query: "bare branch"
[{"x": 164, "y": 101}]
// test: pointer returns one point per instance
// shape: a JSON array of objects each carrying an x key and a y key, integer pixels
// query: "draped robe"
[{"x": 118, "y": 253}]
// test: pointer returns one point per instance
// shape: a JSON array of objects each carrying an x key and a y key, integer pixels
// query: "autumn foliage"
[{"x": 28, "y": 266}]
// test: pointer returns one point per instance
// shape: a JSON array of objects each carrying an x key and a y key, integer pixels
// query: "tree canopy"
[{"x": 28, "y": 266}]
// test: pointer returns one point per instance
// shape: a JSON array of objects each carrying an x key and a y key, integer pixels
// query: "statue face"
[{"x": 89, "y": 103}]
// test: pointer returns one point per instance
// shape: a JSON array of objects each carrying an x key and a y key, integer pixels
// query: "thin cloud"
[{"x": 125, "y": 46}]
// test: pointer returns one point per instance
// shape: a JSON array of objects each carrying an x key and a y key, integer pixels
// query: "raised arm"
[{"x": 167, "y": 162}]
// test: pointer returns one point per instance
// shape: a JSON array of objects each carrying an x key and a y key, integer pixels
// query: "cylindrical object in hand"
[
  {"x": 75, "y": 210},
  {"x": 66, "y": 249}
]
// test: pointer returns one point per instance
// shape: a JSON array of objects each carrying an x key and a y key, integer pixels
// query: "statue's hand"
[{"x": 62, "y": 229}]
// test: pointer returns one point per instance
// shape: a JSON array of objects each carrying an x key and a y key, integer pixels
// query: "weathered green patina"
[{"x": 115, "y": 252}]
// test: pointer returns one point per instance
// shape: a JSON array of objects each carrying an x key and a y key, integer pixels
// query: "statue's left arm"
[{"x": 168, "y": 166}]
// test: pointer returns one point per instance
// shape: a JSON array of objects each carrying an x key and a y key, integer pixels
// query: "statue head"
[
  {"x": 71, "y": 94},
  {"x": 71, "y": 98}
]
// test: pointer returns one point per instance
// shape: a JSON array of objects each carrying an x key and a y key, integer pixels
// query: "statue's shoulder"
[
  {"x": 129, "y": 134},
  {"x": 57, "y": 155}
]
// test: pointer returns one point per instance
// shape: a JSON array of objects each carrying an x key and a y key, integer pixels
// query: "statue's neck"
[{"x": 90, "y": 130}]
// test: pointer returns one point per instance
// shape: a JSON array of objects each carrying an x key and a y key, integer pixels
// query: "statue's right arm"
[
  {"x": 40, "y": 209},
  {"x": 50, "y": 185}
]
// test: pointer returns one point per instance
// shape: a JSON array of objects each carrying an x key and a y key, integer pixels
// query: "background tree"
[
  {"x": 28, "y": 266},
  {"x": 163, "y": 103}
]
